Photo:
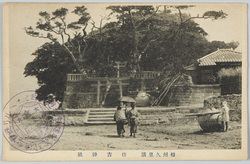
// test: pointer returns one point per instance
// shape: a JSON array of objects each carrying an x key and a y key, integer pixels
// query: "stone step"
[
  {"x": 101, "y": 113},
  {"x": 100, "y": 119},
  {"x": 100, "y": 123},
  {"x": 103, "y": 110},
  {"x": 183, "y": 111},
  {"x": 106, "y": 116},
  {"x": 148, "y": 122},
  {"x": 101, "y": 116}
]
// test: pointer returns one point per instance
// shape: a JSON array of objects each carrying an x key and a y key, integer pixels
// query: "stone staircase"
[
  {"x": 148, "y": 115},
  {"x": 101, "y": 117}
]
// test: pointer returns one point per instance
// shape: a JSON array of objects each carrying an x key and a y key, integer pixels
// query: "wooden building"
[{"x": 205, "y": 71}]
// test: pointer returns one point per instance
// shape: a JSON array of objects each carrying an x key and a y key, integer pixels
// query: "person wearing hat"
[
  {"x": 120, "y": 118},
  {"x": 133, "y": 116}
]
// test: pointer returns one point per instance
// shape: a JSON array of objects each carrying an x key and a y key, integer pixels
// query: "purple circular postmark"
[{"x": 30, "y": 125}]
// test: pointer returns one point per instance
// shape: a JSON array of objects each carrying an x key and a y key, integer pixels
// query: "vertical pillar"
[
  {"x": 142, "y": 85},
  {"x": 98, "y": 92},
  {"x": 120, "y": 87},
  {"x": 118, "y": 70}
]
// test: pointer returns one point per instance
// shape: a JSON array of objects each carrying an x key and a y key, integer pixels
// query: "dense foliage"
[
  {"x": 146, "y": 37},
  {"x": 50, "y": 67}
]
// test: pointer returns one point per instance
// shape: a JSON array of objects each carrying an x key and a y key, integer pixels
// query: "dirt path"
[{"x": 178, "y": 136}]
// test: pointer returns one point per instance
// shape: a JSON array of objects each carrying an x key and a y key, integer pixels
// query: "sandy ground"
[{"x": 178, "y": 136}]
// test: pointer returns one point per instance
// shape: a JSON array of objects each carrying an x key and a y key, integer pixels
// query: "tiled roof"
[{"x": 221, "y": 55}]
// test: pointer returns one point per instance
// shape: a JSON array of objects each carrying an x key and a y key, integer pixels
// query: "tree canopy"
[{"x": 150, "y": 38}]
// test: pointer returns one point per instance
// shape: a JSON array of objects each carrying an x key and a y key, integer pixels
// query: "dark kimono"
[
  {"x": 133, "y": 116},
  {"x": 120, "y": 118}
]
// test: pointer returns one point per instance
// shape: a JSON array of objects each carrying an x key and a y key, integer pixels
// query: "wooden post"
[
  {"x": 120, "y": 87},
  {"x": 98, "y": 92},
  {"x": 142, "y": 84},
  {"x": 118, "y": 66}
]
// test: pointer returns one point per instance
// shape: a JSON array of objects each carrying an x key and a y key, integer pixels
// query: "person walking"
[
  {"x": 120, "y": 118},
  {"x": 225, "y": 116},
  {"x": 133, "y": 116}
]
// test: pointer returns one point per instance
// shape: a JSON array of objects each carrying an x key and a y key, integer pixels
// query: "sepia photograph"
[{"x": 123, "y": 81}]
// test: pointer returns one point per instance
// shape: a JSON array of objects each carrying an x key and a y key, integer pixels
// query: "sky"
[{"x": 21, "y": 46}]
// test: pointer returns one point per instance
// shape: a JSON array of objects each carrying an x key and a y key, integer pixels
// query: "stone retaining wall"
[
  {"x": 79, "y": 95},
  {"x": 83, "y": 94},
  {"x": 78, "y": 117},
  {"x": 173, "y": 116},
  {"x": 184, "y": 95},
  {"x": 79, "y": 100}
]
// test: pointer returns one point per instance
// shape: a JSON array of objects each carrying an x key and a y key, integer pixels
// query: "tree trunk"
[{"x": 136, "y": 53}]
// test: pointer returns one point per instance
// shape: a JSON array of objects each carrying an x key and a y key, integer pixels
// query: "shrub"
[{"x": 229, "y": 72}]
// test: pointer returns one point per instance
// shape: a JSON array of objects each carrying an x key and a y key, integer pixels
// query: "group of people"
[{"x": 123, "y": 116}]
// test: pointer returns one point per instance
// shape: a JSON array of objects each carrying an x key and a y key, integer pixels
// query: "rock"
[{"x": 142, "y": 99}]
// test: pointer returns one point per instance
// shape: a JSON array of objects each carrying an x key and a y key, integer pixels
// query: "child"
[{"x": 225, "y": 115}]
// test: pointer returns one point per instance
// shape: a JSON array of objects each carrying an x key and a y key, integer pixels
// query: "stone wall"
[
  {"x": 71, "y": 117},
  {"x": 184, "y": 95},
  {"x": 79, "y": 95},
  {"x": 166, "y": 116},
  {"x": 79, "y": 100},
  {"x": 148, "y": 116},
  {"x": 83, "y": 94}
]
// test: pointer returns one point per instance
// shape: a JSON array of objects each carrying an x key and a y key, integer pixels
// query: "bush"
[{"x": 229, "y": 72}]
